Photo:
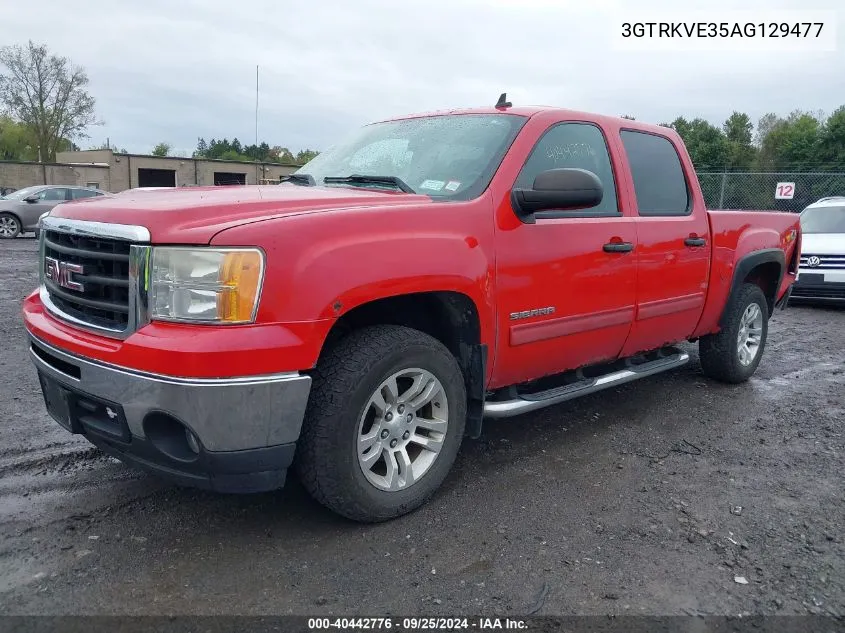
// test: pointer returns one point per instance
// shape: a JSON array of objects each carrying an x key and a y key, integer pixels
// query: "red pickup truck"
[{"x": 357, "y": 320}]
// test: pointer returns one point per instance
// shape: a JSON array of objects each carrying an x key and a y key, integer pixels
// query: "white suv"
[{"x": 821, "y": 275}]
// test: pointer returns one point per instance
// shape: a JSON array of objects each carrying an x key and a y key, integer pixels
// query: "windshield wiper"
[
  {"x": 303, "y": 180},
  {"x": 356, "y": 179}
]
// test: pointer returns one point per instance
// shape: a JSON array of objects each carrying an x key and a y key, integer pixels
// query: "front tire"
[
  {"x": 10, "y": 226},
  {"x": 384, "y": 423},
  {"x": 733, "y": 354}
]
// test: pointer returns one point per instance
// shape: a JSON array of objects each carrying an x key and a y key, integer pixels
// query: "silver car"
[{"x": 20, "y": 210}]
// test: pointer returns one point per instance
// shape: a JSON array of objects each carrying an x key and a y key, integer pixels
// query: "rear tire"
[
  {"x": 733, "y": 354},
  {"x": 361, "y": 451},
  {"x": 10, "y": 226}
]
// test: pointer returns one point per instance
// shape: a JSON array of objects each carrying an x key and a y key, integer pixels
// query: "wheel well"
[
  {"x": 450, "y": 317},
  {"x": 767, "y": 276}
]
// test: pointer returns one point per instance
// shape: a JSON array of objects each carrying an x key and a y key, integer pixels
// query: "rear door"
[{"x": 673, "y": 242}]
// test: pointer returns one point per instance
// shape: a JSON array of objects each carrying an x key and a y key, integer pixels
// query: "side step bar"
[{"x": 533, "y": 402}]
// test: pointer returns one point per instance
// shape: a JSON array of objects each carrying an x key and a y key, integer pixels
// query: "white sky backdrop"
[{"x": 174, "y": 70}]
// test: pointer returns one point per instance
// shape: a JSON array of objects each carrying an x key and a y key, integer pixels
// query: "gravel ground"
[{"x": 626, "y": 502}]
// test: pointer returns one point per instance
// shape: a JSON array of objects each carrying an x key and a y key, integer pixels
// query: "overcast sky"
[{"x": 176, "y": 70}]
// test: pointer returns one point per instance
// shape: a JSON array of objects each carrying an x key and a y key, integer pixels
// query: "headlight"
[{"x": 205, "y": 284}]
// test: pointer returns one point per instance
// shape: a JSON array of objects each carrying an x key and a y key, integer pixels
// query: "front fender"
[{"x": 320, "y": 266}]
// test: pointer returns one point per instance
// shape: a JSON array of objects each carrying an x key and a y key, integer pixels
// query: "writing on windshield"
[{"x": 448, "y": 156}]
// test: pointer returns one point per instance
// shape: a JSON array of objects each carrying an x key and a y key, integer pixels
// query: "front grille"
[
  {"x": 103, "y": 300},
  {"x": 826, "y": 262},
  {"x": 818, "y": 290}
]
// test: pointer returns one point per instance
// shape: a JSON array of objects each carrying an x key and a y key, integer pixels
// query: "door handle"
[
  {"x": 618, "y": 247},
  {"x": 695, "y": 241}
]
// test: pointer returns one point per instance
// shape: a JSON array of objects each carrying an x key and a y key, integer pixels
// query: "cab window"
[
  {"x": 578, "y": 145},
  {"x": 659, "y": 183}
]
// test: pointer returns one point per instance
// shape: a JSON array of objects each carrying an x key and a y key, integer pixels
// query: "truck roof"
[{"x": 530, "y": 111}]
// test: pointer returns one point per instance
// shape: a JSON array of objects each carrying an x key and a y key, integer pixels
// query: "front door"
[
  {"x": 565, "y": 285},
  {"x": 49, "y": 198}
]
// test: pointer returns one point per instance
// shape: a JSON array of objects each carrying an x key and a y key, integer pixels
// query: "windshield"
[
  {"x": 823, "y": 220},
  {"x": 20, "y": 194},
  {"x": 449, "y": 156}
]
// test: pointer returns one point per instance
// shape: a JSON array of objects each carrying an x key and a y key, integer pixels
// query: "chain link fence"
[{"x": 757, "y": 190}]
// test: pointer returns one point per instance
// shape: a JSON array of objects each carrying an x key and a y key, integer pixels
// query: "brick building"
[
  {"x": 19, "y": 175},
  {"x": 113, "y": 172}
]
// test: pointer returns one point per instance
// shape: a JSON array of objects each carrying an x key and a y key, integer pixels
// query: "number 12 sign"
[{"x": 785, "y": 191}]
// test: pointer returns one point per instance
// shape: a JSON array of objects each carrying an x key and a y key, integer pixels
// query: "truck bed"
[{"x": 734, "y": 235}]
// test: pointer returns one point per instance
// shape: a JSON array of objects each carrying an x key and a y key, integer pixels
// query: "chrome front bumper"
[
  {"x": 124, "y": 411},
  {"x": 819, "y": 285}
]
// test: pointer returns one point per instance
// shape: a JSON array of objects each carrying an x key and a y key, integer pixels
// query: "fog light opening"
[{"x": 171, "y": 437}]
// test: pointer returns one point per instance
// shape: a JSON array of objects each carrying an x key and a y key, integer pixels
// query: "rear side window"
[
  {"x": 578, "y": 145},
  {"x": 659, "y": 182},
  {"x": 83, "y": 193}
]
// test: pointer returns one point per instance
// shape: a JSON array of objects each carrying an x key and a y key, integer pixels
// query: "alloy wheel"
[
  {"x": 402, "y": 429},
  {"x": 750, "y": 334}
]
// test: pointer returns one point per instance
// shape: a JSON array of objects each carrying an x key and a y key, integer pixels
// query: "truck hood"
[
  {"x": 823, "y": 243},
  {"x": 193, "y": 215}
]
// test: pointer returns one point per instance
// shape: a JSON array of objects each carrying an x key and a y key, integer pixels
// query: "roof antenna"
[{"x": 503, "y": 101}]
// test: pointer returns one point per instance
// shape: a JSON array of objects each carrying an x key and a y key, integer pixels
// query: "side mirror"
[
  {"x": 557, "y": 190},
  {"x": 32, "y": 198}
]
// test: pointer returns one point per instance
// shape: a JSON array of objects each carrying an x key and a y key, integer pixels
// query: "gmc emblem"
[{"x": 62, "y": 273}]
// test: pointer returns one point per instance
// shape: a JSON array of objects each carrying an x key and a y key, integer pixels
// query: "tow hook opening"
[{"x": 171, "y": 437}]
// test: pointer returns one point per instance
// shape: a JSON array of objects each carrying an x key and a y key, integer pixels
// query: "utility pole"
[
  {"x": 722, "y": 191},
  {"x": 257, "y": 175}
]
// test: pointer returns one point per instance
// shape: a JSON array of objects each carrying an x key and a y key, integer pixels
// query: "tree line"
[
  {"x": 45, "y": 108},
  {"x": 20, "y": 142},
  {"x": 799, "y": 142},
  {"x": 45, "y": 102},
  {"x": 234, "y": 150}
]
